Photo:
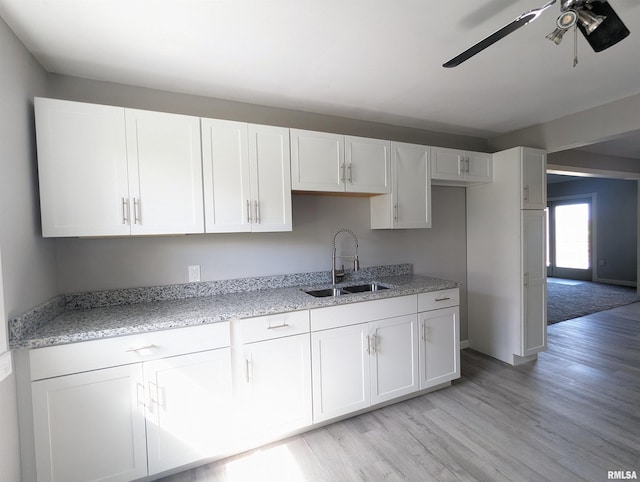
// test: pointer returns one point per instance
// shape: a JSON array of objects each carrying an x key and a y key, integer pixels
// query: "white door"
[
  {"x": 270, "y": 159},
  {"x": 227, "y": 182},
  {"x": 412, "y": 186},
  {"x": 447, "y": 164},
  {"x": 394, "y": 364},
  {"x": 479, "y": 167},
  {"x": 340, "y": 366},
  {"x": 439, "y": 346},
  {"x": 82, "y": 166},
  {"x": 534, "y": 179},
  {"x": 188, "y": 408},
  {"x": 275, "y": 387},
  {"x": 165, "y": 173},
  {"x": 317, "y": 161},
  {"x": 534, "y": 323},
  {"x": 90, "y": 426},
  {"x": 368, "y": 165}
]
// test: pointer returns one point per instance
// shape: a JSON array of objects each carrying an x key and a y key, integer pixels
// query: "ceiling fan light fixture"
[
  {"x": 567, "y": 19},
  {"x": 590, "y": 21},
  {"x": 556, "y": 35}
]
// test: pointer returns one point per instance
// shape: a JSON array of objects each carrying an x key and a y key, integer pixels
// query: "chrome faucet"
[{"x": 338, "y": 274}]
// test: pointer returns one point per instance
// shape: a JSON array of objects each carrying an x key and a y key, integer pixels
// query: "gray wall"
[
  {"x": 615, "y": 217},
  {"x": 28, "y": 260}
]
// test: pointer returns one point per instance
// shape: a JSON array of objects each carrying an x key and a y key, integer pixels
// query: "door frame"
[{"x": 593, "y": 245}]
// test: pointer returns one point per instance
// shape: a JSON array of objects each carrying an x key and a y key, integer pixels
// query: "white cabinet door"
[
  {"x": 90, "y": 426},
  {"x": 479, "y": 167},
  {"x": 409, "y": 204},
  {"x": 439, "y": 346},
  {"x": 188, "y": 408},
  {"x": 247, "y": 178},
  {"x": 447, "y": 164},
  {"x": 340, "y": 367},
  {"x": 227, "y": 185},
  {"x": 368, "y": 165},
  {"x": 317, "y": 161},
  {"x": 534, "y": 322},
  {"x": 270, "y": 159},
  {"x": 393, "y": 344},
  {"x": 165, "y": 173},
  {"x": 534, "y": 179},
  {"x": 82, "y": 166},
  {"x": 465, "y": 167},
  {"x": 275, "y": 387}
]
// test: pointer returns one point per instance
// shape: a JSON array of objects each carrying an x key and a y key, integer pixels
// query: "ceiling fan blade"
[
  {"x": 520, "y": 21},
  {"x": 610, "y": 32}
]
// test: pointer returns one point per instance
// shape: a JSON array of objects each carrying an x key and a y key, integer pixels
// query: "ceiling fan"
[{"x": 596, "y": 19}]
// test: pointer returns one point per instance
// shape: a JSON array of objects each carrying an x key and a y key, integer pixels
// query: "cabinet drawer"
[
  {"x": 83, "y": 356},
  {"x": 343, "y": 315},
  {"x": 438, "y": 299},
  {"x": 272, "y": 326}
]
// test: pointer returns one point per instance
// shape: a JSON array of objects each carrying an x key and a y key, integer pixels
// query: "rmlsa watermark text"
[{"x": 622, "y": 475}]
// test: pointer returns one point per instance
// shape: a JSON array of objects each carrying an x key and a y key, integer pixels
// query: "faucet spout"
[{"x": 339, "y": 274}]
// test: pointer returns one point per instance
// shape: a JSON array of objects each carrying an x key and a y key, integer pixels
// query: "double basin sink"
[{"x": 347, "y": 290}]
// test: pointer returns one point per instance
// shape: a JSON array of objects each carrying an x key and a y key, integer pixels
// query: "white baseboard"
[
  {"x": 464, "y": 344},
  {"x": 615, "y": 282}
]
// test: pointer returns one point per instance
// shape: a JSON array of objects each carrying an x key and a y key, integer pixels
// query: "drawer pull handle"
[
  {"x": 141, "y": 348},
  {"x": 446, "y": 298},
  {"x": 283, "y": 325}
]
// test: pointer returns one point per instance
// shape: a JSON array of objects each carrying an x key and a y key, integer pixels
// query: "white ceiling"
[{"x": 378, "y": 60}]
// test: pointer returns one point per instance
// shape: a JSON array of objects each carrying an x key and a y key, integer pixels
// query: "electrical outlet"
[
  {"x": 5, "y": 365},
  {"x": 194, "y": 273}
]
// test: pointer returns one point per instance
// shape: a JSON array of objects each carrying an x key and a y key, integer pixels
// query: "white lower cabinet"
[
  {"x": 340, "y": 363},
  {"x": 439, "y": 346},
  {"x": 187, "y": 408},
  {"x": 90, "y": 426},
  {"x": 365, "y": 363},
  {"x": 275, "y": 389},
  {"x": 120, "y": 423}
]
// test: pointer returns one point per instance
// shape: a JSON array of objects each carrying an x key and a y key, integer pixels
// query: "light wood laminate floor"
[{"x": 573, "y": 415}]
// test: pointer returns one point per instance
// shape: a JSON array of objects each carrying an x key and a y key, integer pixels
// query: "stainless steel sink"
[
  {"x": 347, "y": 290},
  {"x": 365, "y": 288},
  {"x": 327, "y": 292}
]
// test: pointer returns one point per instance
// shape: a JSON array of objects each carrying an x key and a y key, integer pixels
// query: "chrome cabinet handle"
[
  {"x": 141, "y": 348},
  {"x": 526, "y": 280},
  {"x": 368, "y": 345},
  {"x": 125, "y": 209},
  {"x": 350, "y": 178},
  {"x": 395, "y": 211},
  {"x": 342, "y": 172},
  {"x": 526, "y": 192},
  {"x": 136, "y": 211},
  {"x": 247, "y": 368},
  {"x": 422, "y": 334},
  {"x": 257, "y": 211},
  {"x": 248, "y": 211},
  {"x": 446, "y": 298},
  {"x": 283, "y": 325}
]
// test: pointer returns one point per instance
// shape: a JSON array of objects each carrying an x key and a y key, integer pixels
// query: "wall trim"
[
  {"x": 615, "y": 282},
  {"x": 464, "y": 344}
]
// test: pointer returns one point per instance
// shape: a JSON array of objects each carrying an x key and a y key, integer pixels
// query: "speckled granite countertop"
[{"x": 124, "y": 319}]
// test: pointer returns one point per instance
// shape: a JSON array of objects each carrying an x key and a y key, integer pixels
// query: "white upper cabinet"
[
  {"x": 82, "y": 166},
  {"x": 335, "y": 163},
  {"x": 409, "y": 204},
  {"x": 270, "y": 161},
  {"x": 111, "y": 171},
  {"x": 165, "y": 173},
  {"x": 534, "y": 179},
  {"x": 455, "y": 167},
  {"x": 317, "y": 161},
  {"x": 368, "y": 165},
  {"x": 247, "y": 180},
  {"x": 227, "y": 188}
]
